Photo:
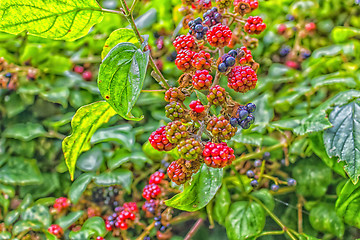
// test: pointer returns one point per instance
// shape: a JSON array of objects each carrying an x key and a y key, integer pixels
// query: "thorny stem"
[
  {"x": 274, "y": 217},
  {"x": 194, "y": 229}
]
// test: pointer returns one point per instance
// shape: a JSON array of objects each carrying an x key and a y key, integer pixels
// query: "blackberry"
[
  {"x": 56, "y": 230},
  {"x": 177, "y": 172},
  {"x": 221, "y": 128},
  {"x": 250, "y": 174},
  {"x": 254, "y": 183},
  {"x": 245, "y": 57},
  {"x": 251, "y": 107},
  {"x": 274, "y": 187},
  {"x": 219, "y": 35},
  {"x": 254, "y": 25},
  {"x": 197, "y": 106},
  {"x": 190, "y": 149},
  {"x": 159, "y": 140},
  {"x": 243, "y": 114},
  {"x": 223, "y": 3},
  {"x": 201, "y": 60},
  {"x": 217, "y": 95},
  {"x": 151, "y": 191},
  {"x": 212, "y": 17},
  {"x": 234, "y": 122},
  {"x": 284, "y": 51},
  {"x": 156, "y": 177},
  {"x": 242, "y": 79},
  {"x": 290, "y": 17},
  {"x": 233, "y": 53},
  {"x": 218, "y": 155},
  {"x": 147, "y": 238},
  {"x": 305, "y": 55},
  {"x": 291, "y": 182},
  {"x": 257, "y": 163},
  {"x": 175, "y": 111},
  {"x": 183, "y": 60},
  {"x": 197, "y": 29},
  {"x": 8, "y": 75},
  {"x": 174, "y": 95},
  {"x": 183, "y": 42},
  {"x": 158, "y": 225},
  {"x": 150, "y": 206},
  {"x": 222, "y": 67},
  {"x": 176, "y": 132},
  {"x": 202, "y": 80},
  {"x": 266, "y": 156}
]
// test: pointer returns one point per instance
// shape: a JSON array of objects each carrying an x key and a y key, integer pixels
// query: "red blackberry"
[
  {"x": 219, "y": 35},
  {"x": 100, "y": 238},
  {"x": 221, "y": 128},
  {"x": 310, "y": 27},
  {"x": 242, "y": 79},
  {"x": 176, "y": 132},
  {"x": 217, "y": 95},
  {"x": 61, "y": 203},
  {"x": 190, "y": 149},
  {"x": 156, "y": 177},
  {"x": 201, "y": 60},
  {"x": 183, "y": 60},
  {"x": 87, "y": 76},
  {"x": 175, "y": 111},
  {"x": 245, "y": 6},
  {"x": 174, "y": 95},
  {"x": 254, "y": 25},
  {"x": 247, "y": 57},
  {"x": 177, "y": 174},
  {"x": 56, "y": 230},
  {"x": 197, "y": 106},
  {"x": 202, "y": 80},
  {"x": 79, "y": 69},
  {"x": 131, "y": 207},
  {"x": 282, "y": 29},
  {"x": 159, "y": 141},
  {"x": 151, "y": 191},
  {"x": 183, "y": 42},
  {"x": 223, "y": 3},
  {"x": 218, "y": 155}
]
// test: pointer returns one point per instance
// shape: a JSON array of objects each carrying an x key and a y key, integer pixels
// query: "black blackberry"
[
  {"x": 197, "y": 29},
  {"x": 212, "y": 17}
]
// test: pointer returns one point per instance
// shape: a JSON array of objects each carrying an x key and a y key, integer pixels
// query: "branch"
[{"x": 194, "y": 229}]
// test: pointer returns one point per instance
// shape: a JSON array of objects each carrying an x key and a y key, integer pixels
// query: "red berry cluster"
[
  {"x": 86, "y": 74},
  {"x": 218, "y": 155},
  {"x": 219, "y": 35},
  {"x": 184, "y": 42},
  {"x": 180, "y": 171},
  {"x": 221, "y": 128},
  {"x": 151, "y": 191},
  {"x": 124, "y": 218},
  {"x": 176, "y": 132},
  {"x": 56, "y": 230},
  {"x": 254, "y": 25},
  {"x": 183, "y": 60},
  {"x": 247, "y": 58},
  {"x": 242, "y": 79},
  {"x": 61, "y": 203},
  {"x": 201, "y": 60},
  {"x": 202, "y": 80},
  {"x": 174, "y": 95},
  {"x": 159, "y": 140},
  {"x": 156, "y": 177},
  {"x": 197, "y": 106}
]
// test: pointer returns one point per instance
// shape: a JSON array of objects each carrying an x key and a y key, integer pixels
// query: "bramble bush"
[{"x": 169, "y": 119}]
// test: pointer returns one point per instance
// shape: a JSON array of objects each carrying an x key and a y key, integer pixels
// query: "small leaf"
[
  {"x": 11, "y": 217},
  {"x": 343, "y": 139},
  {"x": 265, "y": 197},
  {"x": 341, "y": 34},
  {"x": 348, "y": 205},
  {"x": 91, "y": 160},
  {"x": 20, "y": 171},
  {"x": 121, "y": 77},
  {"x": 199, "y": 191},
  {"x": 85, "y": 122},
  {"x": 26, "y": 225},
  {"x": 313, "y": 177},
  {"x": 245, "y": 220},
  {"x": 96, "y": 224},
  {"x": 39, "y": 213},
  {"x": 119, "y": 36},
  {"x": 67, "y": 20},
  {"x": 121, "y": 134},
  {"x": 66, "y": 221},
  {"x": 79, "y": 186},
  {"x": 323, "y": 218},
  {"x": 24, "y": 131},
  {"x": 122, "y": 177},
  {"x": 85, "y": 234},
  {"x": 222, "y": 204},
  {"x": 5, "y": 235}
]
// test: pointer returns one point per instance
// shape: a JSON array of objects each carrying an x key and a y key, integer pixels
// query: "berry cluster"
[
  {"x": 197, "y": 106},
  {"x": 201, "y": 60},
  {"x": 219, "y": 35},
  {"x": 244, "y": 118},
  {"x": 61, "y": 203},
  {"x": 159, "y": 140},
  {"x": 254, "y": 25},
  {"x": 217, "y": 95},
  {"x": 174, "y": 95},
  {"x": 123, "y": 217},
  {"x": 221, "y": 128},
  {"x": 202, "y": 80},
  {"x": 242, "y": 79},
  {"x": 56, "y": 230},
  {"x": 218, "y": 155},
  {"x": 227, "y": 61},
  {"x": 197, "y": 28},
  {"x": 212, "y": 17},
  {"x": 151, "y": 191},
  {"x": 175, "y": 111},
  {"x": 176, "y": 132}
]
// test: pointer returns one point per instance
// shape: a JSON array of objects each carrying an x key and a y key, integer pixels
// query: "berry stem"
[
  {"x": 121, "y": 12},
  {"x": 133, "y": 5},
  {"x": 242, "y": 186},
  {"x": 185, "y": 217},
  {"x": 275, "y": 179},
  {"x": 194, "y": 229},
  {"x": 146, "y": 231},
  {"x": 274, "y": 217}
]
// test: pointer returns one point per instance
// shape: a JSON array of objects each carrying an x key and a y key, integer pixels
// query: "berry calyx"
[
  {"x": 184, "y": 42},
  {"x": 174, "y": 95},
  {"x": 217, "y": 95},
  {"x": 201, "y": 60},
  {"x": 245, "y": 6},
  {"x": 159, "y": 141},
  {"x": 218, "y": 155},
  {"x": 197, "y": 106},
  {"x": 156, "y": 177},
  {"x": 183, "y": 60},
  {"x": 56, "y": 230},
  {"x": 202, "y": 80},
  {"x": 190, "y": 149},
  {"x": 242, "y": 79},
  {"x": 176, "y": 132},
  {"x": 219, "y": 35},
  {"x": 254, "y": 25},
  {"x": 151, "y": 191},
  {"x": 221, "y": 128}
]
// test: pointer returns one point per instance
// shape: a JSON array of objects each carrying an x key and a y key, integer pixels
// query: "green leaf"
[
  {"x": 119, "y": 36},
  {"x": 57, "y": 95},
  {"x": 341, "y": 34},
  {"x": 222, "y": 204},
  {"x": 96, "y": 224},
  {"x": 48, "y": 186},
  {"x": 85, "y": 122},
  {"x": 11, "y": 217},
  {"x": 5, "y": 235},
  {"x": 121, "y": 177},
  {"x": 26, "y": 225},
  {"x": 199, "y": 191},
  {"x": 348, "y": 205},
  {"x": 91, "y": 160},
  {"x": 313, "y": 177},
  {"x": 24, "y": 131},
  {"x": 85, "y": 234},
  {"x": 265, "y": 197},
  {"x": 38, "y": 213},
  {"x": 20, "y": 171},
  {"x": 67, "y": 20},
  {"x": 79, "y": 186},
  {"x": 245, "y": 220},
  {"x": 121, "y": 77},
  {"x": 66, "y": 221},
  {"x": 121, "y": 134},
  {"x": 343, "y": 139},
  {"x": 323, "y": 218}
]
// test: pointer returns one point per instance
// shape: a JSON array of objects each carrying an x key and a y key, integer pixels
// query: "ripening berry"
[
  {"x": 159, "y": 141},
  {"x": 190, "y": 149},
  {"x": 176, "y": 132},
  {"x": 197, "y": 106},
  {"x": 56, "y": 230},
  {"x": 254, "y": 183},
  {"x": 183, "y": 42},
  {"x": 250, "y": 174},
  {"x": 254, "y": 25},
  {"x": 174, "y": 95},
  {"x": 177, "y": 174},
  {"x": 219, "y": 35},
  {"x": 151, "y": 191},
  {"x": 258, "y": 163},
  {"x": 218, "y": 155},
  {"x": 183, "y": 60},
  {"x": 242, "y": 79},
  {"x": 201, "y": 60},
  {"x": 175, "y": 111},
  {"x": 156, "y": 177},
  {"x": 221, "y": 128},
  {"x": 202, "y": 80},
  {"x": 223, "y": 3},
  {"x": 291, "y": 182},
  {"x": 217, "y": 95},
  {"x": 247, "y": 58},
  {"x": 212, "y": 17},
  {"x": 281, "y": 29},
  {"x": 310, "y": 27},
  {"x": 79, "y": 69},
  {"x": 61, "y": 203},
  {"x": 87, "y": 76}
]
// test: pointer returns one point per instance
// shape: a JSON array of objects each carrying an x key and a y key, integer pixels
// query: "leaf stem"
[
  {"x": 271, "y": 233},
  {"x": 133, "y": 6},
  {"x": 194, "y": 229},
  {"x": 113, "y": 11}
]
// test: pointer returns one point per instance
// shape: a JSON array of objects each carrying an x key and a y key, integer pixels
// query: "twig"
[
  {"x": 146, "y": 231},
  {"x": 194, "y": 229}
]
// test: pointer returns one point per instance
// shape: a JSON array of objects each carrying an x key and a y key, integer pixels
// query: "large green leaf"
[
  {"x": 24, "y": 131},
  {"x": 119, "y": 36},
  {"x": 199, "y": 191},
  {"x": 66, "y": 19},
  {"x": 66, "y": 221},
  {"x": 265, "y": 197},
  {"x": 39, "y": 213},
  {"x": 26, "y": 225},
  {"x": 348, "y": 204},
  {"x": 90, "y": 160},
  {"x": 313, "y": 177},
  {"x": 245, "y": 220},
  {"x": 323, "y": 218},
  {"x": 96, "y": 224},
  {"x": 121, "y": 134},
  {"x": 222, "y": 204},
  {"x": 85, "y": 122},
  {"x": 121, "y": 77},
  {"x": 79, "y": 186},
  {"x": 343, "y": 139},
  {"x": 121, "y": 177},
  {"x": 20, "y": 171}
]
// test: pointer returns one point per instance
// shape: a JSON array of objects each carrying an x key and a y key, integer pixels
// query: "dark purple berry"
[
  {"x": 266, "y": 156},
  {"x": 245, "y": 125},
  {"x": 284, "y": 51},
  {"x": 243, "y": 114},
  {"x": 230, "y": 61},
  {"x": 250, "y": 174},
  {"x": 251, "y": 107},
  {"x": 254, "y": 183},
  {"x": 158, "y": 225},
  {"x": 232, "y": 53},
  {"x": 258, "y": 163},
  {"x": 199, "y": 28},
  {"x": 222, "y": 67},
  {"x": 233, "y": 122},
  {"x": 8, "y": 75},
  {"x": 198, "y": 20},
  {"x": 291, "y": 182},
  {"x": 275, "y": 187},
  {"x": 250, "y": 119}
]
